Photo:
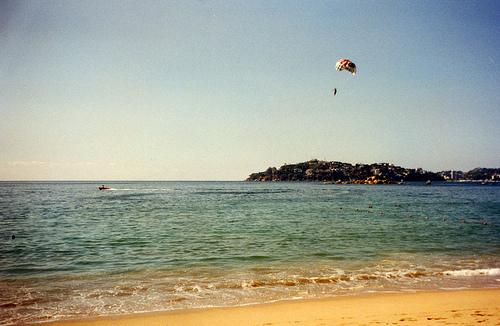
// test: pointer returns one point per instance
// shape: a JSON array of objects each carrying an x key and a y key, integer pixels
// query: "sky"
[{"x": 217, "y": 90}]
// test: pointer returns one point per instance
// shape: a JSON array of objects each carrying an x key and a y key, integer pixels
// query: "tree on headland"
[{"x": 315, "y": 170}]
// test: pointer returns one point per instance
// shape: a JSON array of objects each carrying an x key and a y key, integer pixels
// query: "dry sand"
[{"x": 468, "y": 307}]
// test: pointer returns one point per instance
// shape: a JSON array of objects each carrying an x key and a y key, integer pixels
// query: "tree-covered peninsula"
[{"x": 339, "y": 172}]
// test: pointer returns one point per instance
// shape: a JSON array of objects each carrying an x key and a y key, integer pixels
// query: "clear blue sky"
[{"x": 216, "y": 90}]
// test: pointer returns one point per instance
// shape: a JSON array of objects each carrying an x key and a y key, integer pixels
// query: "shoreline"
[{"x": 450, "y": 307}]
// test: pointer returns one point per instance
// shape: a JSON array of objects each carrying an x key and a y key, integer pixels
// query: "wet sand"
[{"x": 467, "y": 307}]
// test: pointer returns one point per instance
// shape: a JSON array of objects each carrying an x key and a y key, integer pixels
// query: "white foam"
[
  {"x": 139, "y": 189},
  {"x": 474, "y": 272}
]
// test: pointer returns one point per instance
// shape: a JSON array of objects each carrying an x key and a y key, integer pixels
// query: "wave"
[
  {"x": 474, "y": 272},
  {"x": 157, "y": 290},
  {"x": 139, "y": 189}
]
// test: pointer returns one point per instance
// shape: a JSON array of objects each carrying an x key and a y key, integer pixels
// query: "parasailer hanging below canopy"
[{"x": 344, "y": 64}]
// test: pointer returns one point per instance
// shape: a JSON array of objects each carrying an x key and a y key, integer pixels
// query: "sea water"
[{"x": 69, "y": 250}]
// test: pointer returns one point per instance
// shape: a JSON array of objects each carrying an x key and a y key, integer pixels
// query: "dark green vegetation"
[{"x": 316, "y": 170}]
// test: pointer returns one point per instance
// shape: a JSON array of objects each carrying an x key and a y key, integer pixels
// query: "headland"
[{"x": 339, "y": 172}]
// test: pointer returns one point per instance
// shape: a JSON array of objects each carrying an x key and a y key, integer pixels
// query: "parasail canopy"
[{"x": 345, "y": 64}]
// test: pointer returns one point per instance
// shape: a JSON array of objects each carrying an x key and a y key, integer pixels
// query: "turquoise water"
[{"x": 156, "y": 246}]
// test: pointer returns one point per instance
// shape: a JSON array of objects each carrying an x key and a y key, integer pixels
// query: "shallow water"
[{"x": 154, "y": 246}]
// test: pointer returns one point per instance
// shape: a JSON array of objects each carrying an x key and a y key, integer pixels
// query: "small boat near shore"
[{"x": 103, "y": 188}]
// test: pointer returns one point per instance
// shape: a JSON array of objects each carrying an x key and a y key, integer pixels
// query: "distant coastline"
[{"x": 339, "y": 172}]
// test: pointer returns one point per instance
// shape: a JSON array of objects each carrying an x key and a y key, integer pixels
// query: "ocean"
[{"x": 69, "y": 250}]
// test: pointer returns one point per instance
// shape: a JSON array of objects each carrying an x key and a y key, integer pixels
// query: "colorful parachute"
[{"x": 344, "y": 64}]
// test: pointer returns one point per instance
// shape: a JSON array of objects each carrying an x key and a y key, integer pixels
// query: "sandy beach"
[{"x": 465, "y": 307}]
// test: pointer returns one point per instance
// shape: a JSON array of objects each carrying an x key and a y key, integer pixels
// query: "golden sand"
[{"x": 467, "y": 307}]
